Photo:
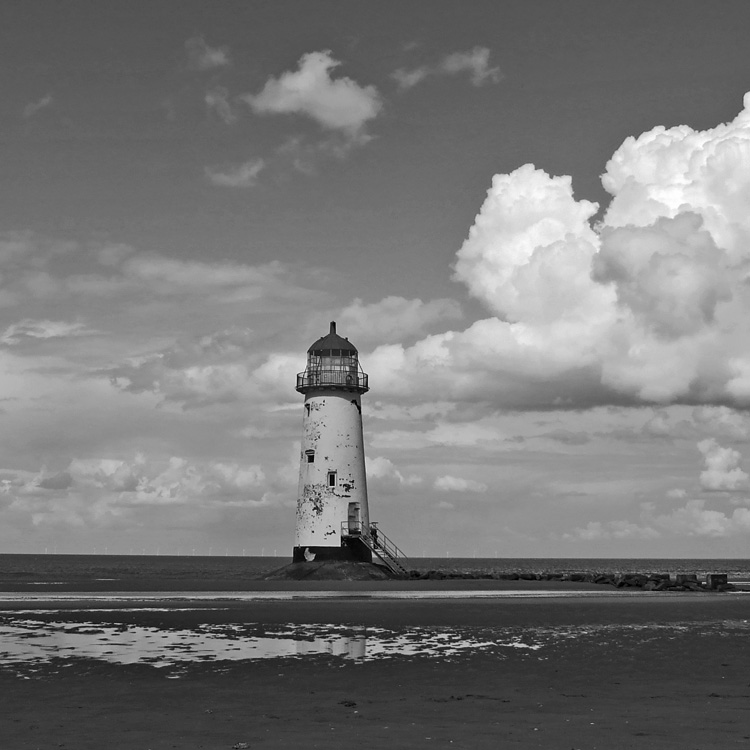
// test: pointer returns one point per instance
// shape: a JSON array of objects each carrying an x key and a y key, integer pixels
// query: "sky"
[{"x": 531, "y": 218}]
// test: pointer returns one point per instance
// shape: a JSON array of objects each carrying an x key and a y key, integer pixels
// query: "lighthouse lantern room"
[{"x": 332, "y": 515}]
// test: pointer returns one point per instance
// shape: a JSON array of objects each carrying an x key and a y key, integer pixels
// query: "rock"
[
  {"x": 682, "y": 578},
  {"x": 714, "y": 580},
  {"x": 692, "y": 585}
]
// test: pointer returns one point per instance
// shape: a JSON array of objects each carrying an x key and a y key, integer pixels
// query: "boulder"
[{"x": 683, "y": 578}]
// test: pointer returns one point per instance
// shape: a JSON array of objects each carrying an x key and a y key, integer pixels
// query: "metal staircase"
[{"x": 379, "y": 544}]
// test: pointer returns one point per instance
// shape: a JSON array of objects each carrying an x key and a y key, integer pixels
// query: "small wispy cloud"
[
  {"x": 217, "y": 103},
  {"x": 449, "y": 483},
  {"x": 243, "y": 175},
  {"x": 203, "y": 57},
  {"x": 29, "y": 329},
  {"x": 34, "y": 107},
  {"x": 475, "y": 62}
]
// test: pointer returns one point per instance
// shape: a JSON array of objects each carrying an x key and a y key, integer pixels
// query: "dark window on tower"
[
  {"x": 310, "y": 456},
  {"x": 331, "y": 478}
]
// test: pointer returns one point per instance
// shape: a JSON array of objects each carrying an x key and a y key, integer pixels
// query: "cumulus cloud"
[
  {"x": 99, "y": 491},
  {"x": 339, "y": 104},
  {"x": 244, "y": 175},
  {"x": 648, "y": 307},
  {"x": 694, "y": 519},
  {"x": 34, "y": 108},
  {"x": 382, "y": 473},
  {"x": 475, "y": 62},
  {"x": 722, "y": 472},
  {"x": 202, "y": 57},
  {"x": 721, "y": 421},
  {"x": 448, "y": 483}
]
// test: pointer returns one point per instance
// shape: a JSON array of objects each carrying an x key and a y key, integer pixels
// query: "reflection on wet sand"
[
  {"x": 25, "y": 640},
  {"x": 31, "y": 639}
]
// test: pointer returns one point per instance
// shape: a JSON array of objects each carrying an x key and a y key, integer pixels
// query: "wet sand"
[{"x": 608, "y": 672}]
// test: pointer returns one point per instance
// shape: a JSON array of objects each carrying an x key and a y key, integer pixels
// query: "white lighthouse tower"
[{"x": 333, "y": 520}]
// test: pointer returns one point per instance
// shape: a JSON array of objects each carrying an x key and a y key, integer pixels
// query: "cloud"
[
  {"x": 339, "y": 104},
  {"x": 212, "y": 369},
  {"x": 202, "y": 57},
  {"x": 29, "y": 329},
  {"x": 650, "y": 307},
  {"x": 694, "y": 519},
  {"x": 722, "y": 472},
  {"x": 448, "y": 483},
  {"x": 383, "y": 474},
  {"x": 691, "y": 520},
  {"x": 407, "y": 79},
  {"x": 595, "y": 530},
  {"x": 243, "y": 175},
  {"x": 723, "y": 421},
  {"x": 395, "y": 318},
  {"x": 304, "y": 154},
  {"x": 217, "y": 103},
  {"x": 475, "y": 62},
  {"x": 35, "y": 107},
  {"x": 98, "y": 492}
]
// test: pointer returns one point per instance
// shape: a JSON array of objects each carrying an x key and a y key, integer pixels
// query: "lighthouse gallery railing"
[{"x": 324, "y": 377}]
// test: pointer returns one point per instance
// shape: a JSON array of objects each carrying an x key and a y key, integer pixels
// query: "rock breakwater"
[{"x": 644, "y": 581}]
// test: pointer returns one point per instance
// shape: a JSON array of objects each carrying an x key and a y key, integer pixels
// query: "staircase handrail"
[{"x": 382, "y": 546}]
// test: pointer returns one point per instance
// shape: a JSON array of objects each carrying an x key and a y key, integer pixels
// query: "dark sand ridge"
[{"x": 640, "y": 671}]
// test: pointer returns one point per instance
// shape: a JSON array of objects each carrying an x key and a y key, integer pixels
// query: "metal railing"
[
  {"x": 378, "y": 543},
  {"x": 341, "y": 378}
]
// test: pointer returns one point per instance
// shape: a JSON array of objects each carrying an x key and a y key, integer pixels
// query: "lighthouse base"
[
  {"x": 352, "y": 550},
  {"x": 330, "y": 570}
]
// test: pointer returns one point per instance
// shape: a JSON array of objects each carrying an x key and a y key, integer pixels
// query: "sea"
[
  {"x": 38, "y": 641},
  {"x": 31, "y": 569}
]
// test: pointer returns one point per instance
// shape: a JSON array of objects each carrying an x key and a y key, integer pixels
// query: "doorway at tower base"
[{"x": 352, "y": 550}]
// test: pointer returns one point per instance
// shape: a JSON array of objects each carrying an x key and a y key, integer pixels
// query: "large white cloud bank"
[{"x": 650, "y": 305}]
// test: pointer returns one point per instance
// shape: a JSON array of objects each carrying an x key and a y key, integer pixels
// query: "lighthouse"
[{"x": 333, "y": 520}]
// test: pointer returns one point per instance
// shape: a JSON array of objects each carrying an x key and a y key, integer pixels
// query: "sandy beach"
[{"x": 549, "y": 667}]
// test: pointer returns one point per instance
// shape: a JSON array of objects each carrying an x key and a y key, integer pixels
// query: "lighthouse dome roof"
[{"x": 333, "y": 342}]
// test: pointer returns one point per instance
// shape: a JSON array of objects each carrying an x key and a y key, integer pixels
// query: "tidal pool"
[{"x": 29, "y": 639}]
